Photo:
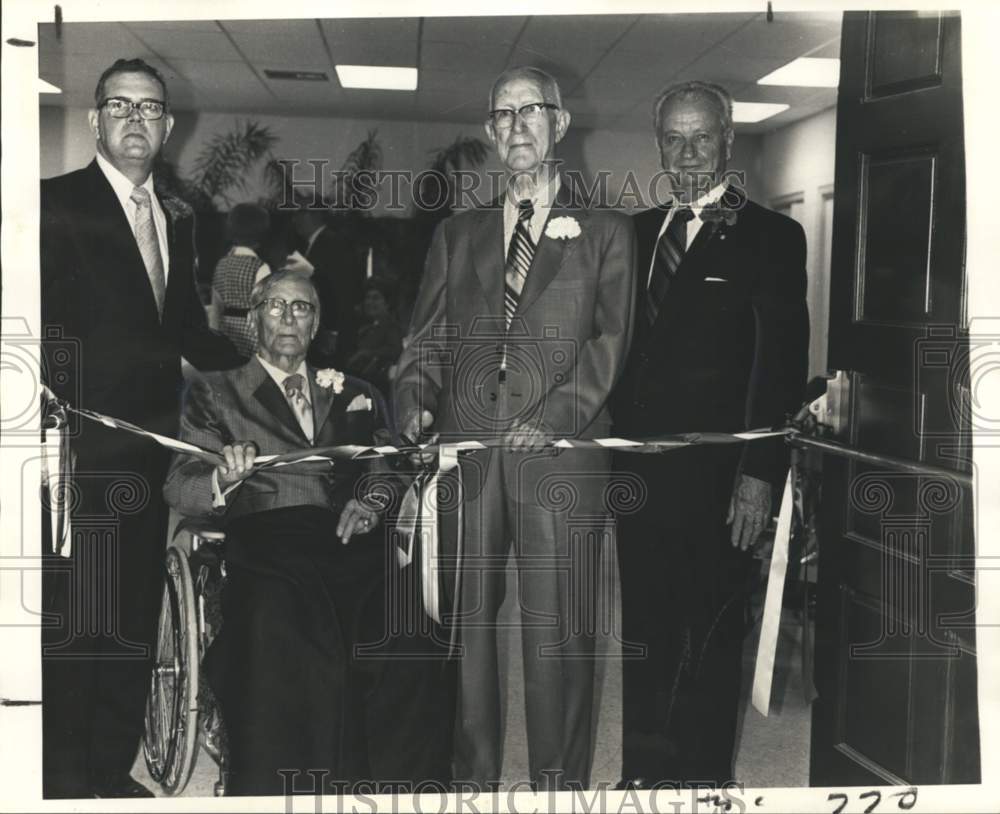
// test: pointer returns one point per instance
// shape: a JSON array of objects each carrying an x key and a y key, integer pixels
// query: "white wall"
[{"x": 798, "y": 160}]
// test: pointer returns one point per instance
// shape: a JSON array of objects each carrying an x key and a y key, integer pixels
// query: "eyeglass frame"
[
  {"x": 132, "y": 106},
  {"x": 285, "y": 306},
  {"x": 520, "y": 112}
]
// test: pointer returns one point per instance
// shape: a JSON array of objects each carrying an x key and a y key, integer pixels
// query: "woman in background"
[
  {"x": 380, "y": 337},
  {"x": 247, "y": 226}
]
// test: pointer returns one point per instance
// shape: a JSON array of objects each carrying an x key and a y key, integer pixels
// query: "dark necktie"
[
  {"x": 519, "y": 255},
  {"x": 149, "y": 245},
  {"x": 669, "y": 253},
  {"x": 294, "y": 385}
]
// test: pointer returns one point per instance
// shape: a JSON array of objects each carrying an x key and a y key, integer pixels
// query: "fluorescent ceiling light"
[
  {"x": 377, "y": 77},
  {"x": 750, "y": 112},
  {"x": 806, "y": 72},
  {"x": 47, "y": 87}
]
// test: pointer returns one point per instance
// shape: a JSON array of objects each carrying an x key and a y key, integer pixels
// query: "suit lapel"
[
  {"x": 551, "y": 253},
  {"x": 322, "y": 399},
  {"x": 272, "y": 399},
  {"x": 488, "y": 254}
]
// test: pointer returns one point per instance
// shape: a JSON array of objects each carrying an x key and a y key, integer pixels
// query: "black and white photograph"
[{"x": 499, "y": 407}]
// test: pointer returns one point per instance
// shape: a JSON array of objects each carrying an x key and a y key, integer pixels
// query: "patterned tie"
[
  {"x": 149, "y": 245},
  {"x": 669, "y": 254},
  {"x": 295, "y": 394},
  {"x": 519, "y": 254}
]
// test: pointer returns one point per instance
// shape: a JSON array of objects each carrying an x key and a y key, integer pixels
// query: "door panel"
[{"x": 895, "y": 644}]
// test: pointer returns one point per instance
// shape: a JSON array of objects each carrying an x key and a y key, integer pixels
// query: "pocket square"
[
  {"x": 716, "y": 280},
  {"x": 359, "y": 403}
]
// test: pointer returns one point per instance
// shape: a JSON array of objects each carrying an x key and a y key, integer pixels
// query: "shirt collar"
[
  {"x": 279, "y": 375},
  {"x": 543, "y": 197},
  {"x": 709, "y": 198},
  {"x": 121, "y": 184}
]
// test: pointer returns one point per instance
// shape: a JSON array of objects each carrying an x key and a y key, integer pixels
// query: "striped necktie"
[
  {"x": 669, "y": 253},
  {"x": 149, "y": 245},
  {"x": 519, "y": 255}
]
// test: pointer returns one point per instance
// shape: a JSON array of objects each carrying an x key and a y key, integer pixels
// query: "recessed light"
[
  {"x": 377, "y": 77},
  {"x": 750, "y": 112},
  {"x": 47, "y": 87},
  {"x": 806, "y": 72}
]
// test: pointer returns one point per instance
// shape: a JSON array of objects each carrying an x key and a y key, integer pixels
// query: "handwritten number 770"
[{"x": 907, "y": 800}]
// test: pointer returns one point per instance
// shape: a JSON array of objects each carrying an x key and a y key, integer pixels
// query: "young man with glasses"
[{"x": 117, "y": 276}]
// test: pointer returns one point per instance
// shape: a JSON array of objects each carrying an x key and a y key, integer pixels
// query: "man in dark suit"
[
  {"x": 721, "y": 345},
  {"x": 519, "y": 331},
  {"x": 311, "y": 675},
  {"x": 117, "y": 275},
  {"x": 338, "y": 275}
]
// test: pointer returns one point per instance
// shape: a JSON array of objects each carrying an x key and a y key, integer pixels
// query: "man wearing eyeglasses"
[
  {"x": 519, "y": 331},
  {"x": 310, "y": 675},
  {"x": 117, "y": 275}
]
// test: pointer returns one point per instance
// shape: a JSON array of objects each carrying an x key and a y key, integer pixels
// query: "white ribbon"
[{"x": 770, "y": 622}]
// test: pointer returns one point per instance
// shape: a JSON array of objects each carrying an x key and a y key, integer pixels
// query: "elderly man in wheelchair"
[{"x": 314, "y": 688}]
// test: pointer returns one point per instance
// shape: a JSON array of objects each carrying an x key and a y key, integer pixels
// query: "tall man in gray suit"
[{"x": 519, "y": 331}]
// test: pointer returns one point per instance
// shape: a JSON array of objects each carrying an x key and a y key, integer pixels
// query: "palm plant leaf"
[{"x": 226, "y": 158}]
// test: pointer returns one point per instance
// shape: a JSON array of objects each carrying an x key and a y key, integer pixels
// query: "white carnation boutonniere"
[
  {"x": 562, "y": 228},
  {"x": 328, "y": 377}
]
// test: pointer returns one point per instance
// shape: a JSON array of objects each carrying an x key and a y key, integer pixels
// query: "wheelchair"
[{"x": 181, "y": 712}]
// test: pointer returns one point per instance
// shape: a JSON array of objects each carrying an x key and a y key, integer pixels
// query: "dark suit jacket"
[
  {"x": 567, "y": 342},
  {"x": 728, "y": 354},
  {"x": 247, "y": 405},
  {"x": 339, "y": 279},
  {"x": 96, "y": 293}
]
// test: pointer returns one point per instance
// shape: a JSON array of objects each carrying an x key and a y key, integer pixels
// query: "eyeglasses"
[
  {"x": 274, "y": 307},
  {"x": 121, "y": 108},
  {"x": 504, "y": 117}
]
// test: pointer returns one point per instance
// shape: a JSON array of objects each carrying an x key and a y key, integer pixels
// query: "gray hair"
[
  {"x": 717, "y": 95},
  {"x": 262, "y": 288},
  {"x": 547, "y": 83}
]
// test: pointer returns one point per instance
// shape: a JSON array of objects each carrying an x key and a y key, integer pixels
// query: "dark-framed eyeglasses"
[
  {"x": 275, "y": 307},
  {"x": 531, "y": 113},
  {"x": 121, "y": 108}
]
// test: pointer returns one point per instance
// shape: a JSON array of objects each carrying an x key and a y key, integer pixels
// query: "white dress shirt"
[
  {"x": 693, "y": 225},
  {"x": 123, "y": 189},
  {"x": 542, "y": 201}
]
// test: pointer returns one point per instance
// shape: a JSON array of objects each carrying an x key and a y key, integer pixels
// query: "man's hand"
[
  {"x": 414, "y": 427},
  {"x": 239, "y": 461},
  {"x": 530, "y": 436},
  {"x": 749, "y": 510},
  {"x": 355, "y": 519}
]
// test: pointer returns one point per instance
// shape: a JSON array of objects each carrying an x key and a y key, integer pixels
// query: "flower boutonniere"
[
  {"x": 714, "y": 213},
  {"x": 328, "y": 377},
  {"x": 562, "y": 228},
  {"x": 175, "y": 207}
]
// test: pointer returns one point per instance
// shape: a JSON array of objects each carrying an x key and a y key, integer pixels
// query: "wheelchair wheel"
[{"x": 172, "y": 706}]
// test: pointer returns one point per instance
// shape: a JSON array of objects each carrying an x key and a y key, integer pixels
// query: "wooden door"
[{"x": 895, "y": 640}]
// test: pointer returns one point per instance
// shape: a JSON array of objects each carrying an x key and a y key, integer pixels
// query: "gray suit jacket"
[
  {"x": 567, "y": 343},
  {"x": 246, "y": 405}
]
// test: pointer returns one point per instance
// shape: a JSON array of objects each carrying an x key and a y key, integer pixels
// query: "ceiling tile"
[
  {"x": 174, "y": 25},
  {"x": 173, "y": 44},
  {"x": 85, "y": 39},
  {"x": 830, "y": 51},
  {"x": 375, "y": 51},
  {"x": 466, "y": 106},
  {"x": 304, "y": 49},
  {"x": 582, "y": 40},
  {"x": 473, "y": 30},
  {"x": 348, "y": 31},
  {"x": 446, "y": 56},
  {"x": 790, "y": 35},
  {"x": 219, "y": 77},
  {"x": 752, "y": 92},
  {"x": 729, "y": 69},
  {"x": 661, "y": 32}
]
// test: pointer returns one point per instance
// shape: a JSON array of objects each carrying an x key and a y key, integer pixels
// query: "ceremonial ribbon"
[{"x": 422, "y": 501}]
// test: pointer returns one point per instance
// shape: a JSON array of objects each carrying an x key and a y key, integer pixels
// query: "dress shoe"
[{"x": 120, "y": 786}]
